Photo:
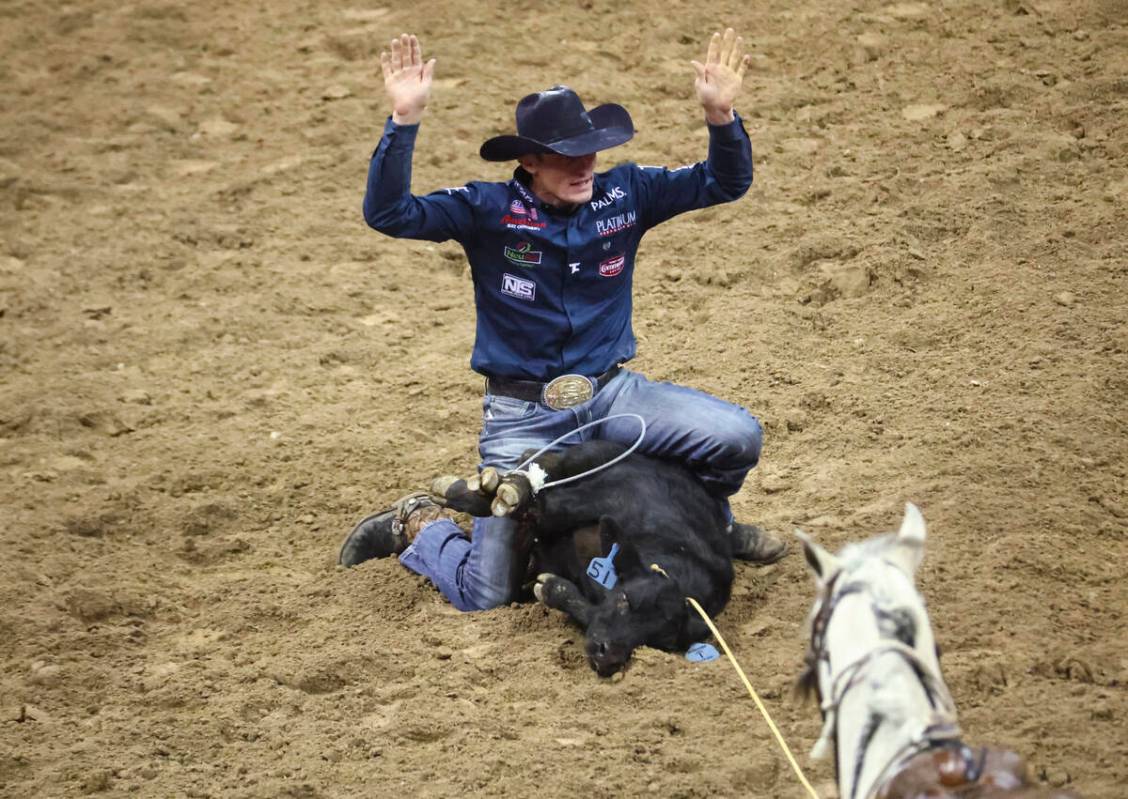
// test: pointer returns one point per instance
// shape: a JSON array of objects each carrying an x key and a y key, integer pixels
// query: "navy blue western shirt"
[{"x": 552, "y": 288}]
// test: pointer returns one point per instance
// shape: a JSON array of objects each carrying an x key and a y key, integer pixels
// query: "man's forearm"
[
  {"x": 389, "y": 175},
  {"x": 730, "y": 156}
]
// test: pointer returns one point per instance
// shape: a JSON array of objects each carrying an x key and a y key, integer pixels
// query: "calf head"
[
  {"x": 644, "y": 608},
  {"x": 647, "y": 610}
]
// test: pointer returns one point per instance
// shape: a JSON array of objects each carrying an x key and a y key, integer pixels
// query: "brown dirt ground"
[{"x": 211, "y": 368}]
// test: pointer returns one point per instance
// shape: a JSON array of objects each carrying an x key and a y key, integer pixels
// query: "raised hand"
[
  {"x": 407, "y": 80},
  {"x": 719, "y": 79}
]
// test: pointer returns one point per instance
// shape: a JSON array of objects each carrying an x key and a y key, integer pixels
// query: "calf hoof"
[
  {"x": 447, "y": 485},
  {"x": 485, "y": 482},
  {"x": 553, "y": 591},
  {"x": 454, "y": 493},
  {"x": 508, "y": 499},
  {"x": 515, "y": 492}
]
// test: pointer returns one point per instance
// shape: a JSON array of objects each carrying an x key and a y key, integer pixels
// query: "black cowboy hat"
[{"x": 554, "y": 121}]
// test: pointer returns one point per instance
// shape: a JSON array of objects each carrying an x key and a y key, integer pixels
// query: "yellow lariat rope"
[{"x": 759, "y": 705}]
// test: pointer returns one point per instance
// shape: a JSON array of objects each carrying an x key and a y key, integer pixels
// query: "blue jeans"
[{"x": 718, "y": 440}]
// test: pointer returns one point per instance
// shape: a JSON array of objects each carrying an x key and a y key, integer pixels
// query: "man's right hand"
[{"x": 407, "y": 80}]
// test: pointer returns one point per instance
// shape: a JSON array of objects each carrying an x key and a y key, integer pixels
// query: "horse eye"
[{"x": 899, "y": 624}]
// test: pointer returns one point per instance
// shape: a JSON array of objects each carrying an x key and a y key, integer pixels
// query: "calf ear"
[
  {"x": 822, "y": 563},
  {"x": 609, "y": 532},
  {"x": 627, "y": 559}
]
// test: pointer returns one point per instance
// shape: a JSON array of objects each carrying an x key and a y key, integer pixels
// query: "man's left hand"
[{"x": 719, "y": 78}]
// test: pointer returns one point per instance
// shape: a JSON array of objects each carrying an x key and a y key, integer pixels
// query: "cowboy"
[{"x": 552, "y": 254}]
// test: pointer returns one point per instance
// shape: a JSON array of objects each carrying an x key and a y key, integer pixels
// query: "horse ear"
[
  {"x": 610, "y": 533},
  {"x": 822, "y": 563},
  {"x": 910, "y": 539}
]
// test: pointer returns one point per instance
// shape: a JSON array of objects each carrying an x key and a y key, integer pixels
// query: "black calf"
[{"x": 658, "y": 513}]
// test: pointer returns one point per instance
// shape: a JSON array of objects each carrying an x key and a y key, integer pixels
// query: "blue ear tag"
[
  {"x": 699, "y": 653},
  {"x": 602, "y": 570}
]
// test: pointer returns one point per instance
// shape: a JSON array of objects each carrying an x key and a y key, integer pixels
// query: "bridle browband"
[{"x": 942, "y": 731}]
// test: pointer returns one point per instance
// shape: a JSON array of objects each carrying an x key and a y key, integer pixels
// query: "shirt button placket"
[{"x": 573, "y": 251}]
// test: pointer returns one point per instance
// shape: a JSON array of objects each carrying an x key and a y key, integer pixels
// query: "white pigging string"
[{"x": 569, "y": 434}]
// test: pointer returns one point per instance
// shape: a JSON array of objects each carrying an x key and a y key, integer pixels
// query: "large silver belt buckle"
[{"x": 567, "y": 391}]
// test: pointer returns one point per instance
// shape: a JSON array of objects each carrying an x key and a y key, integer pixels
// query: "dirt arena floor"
[{"x": 211, "y": 368}]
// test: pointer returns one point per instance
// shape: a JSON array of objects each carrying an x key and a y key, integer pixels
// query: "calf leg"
[
  {"x": 502, "y": 495},
  {"x": 515, "y": 491},
  {"x": 561, "y": 594},
  {"x": 454, "y": 493}
]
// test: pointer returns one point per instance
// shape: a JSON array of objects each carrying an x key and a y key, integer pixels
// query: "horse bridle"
[{"x": 943, "y": 731}]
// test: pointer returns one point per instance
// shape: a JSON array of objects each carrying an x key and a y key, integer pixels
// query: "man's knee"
[{"x": 741, "y": 438}]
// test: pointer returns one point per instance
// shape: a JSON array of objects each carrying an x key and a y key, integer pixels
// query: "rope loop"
[{"x": 540, "y": 485}]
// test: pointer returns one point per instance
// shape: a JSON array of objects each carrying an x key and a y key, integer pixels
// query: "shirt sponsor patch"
[
  {"x": 616, "y": 224},
  {"x": 520, "y": 223},
  {"x": 518, "y": 287},
  {"x": 613, "y": 194},
  {"x": 612, "y": 266},
  {"x": 521, "y": 218},
  {"x": 523, "y": 254}
]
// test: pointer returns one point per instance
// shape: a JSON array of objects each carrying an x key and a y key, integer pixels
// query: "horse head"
[{"x": 872, "y": 658}]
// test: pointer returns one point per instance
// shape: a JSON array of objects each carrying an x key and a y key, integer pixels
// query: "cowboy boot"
[
  {"x": 754, "y": 544},
  {"x": 389, "y": 531}
]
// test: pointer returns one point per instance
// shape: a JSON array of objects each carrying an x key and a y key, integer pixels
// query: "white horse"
[{"x": 873, "y": 662}]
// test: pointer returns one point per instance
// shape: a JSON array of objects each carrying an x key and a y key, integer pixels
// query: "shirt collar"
[{"x": 521, "y": 183}]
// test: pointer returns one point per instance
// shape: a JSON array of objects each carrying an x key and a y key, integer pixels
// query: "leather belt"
[{"x": 562, "y": 392}]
